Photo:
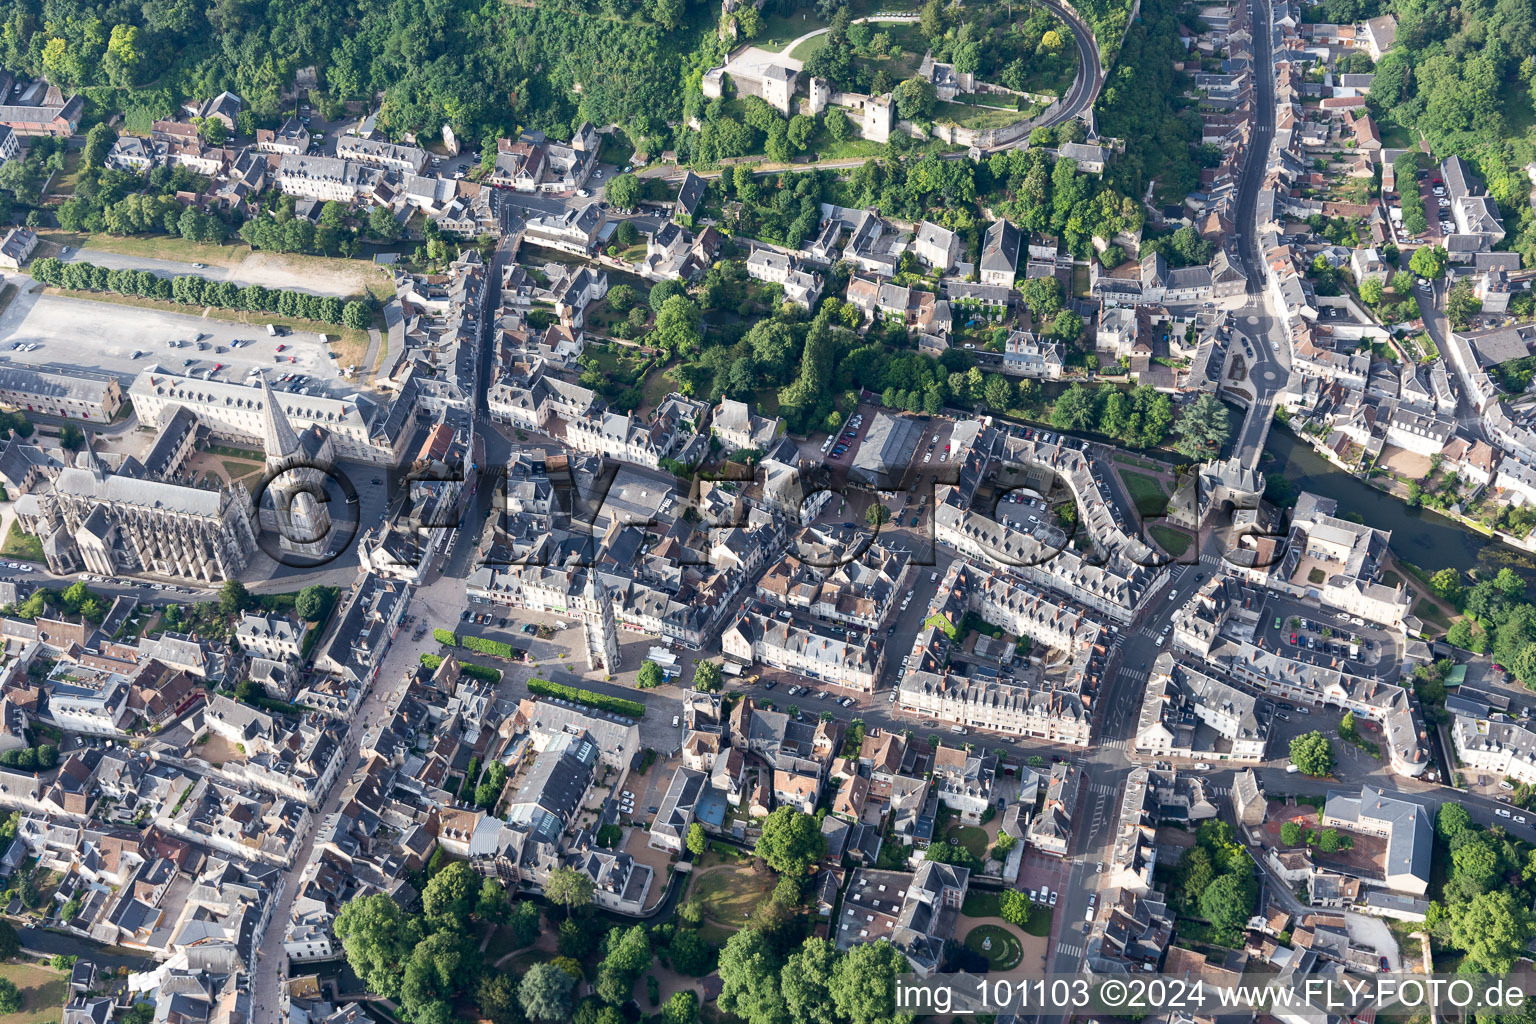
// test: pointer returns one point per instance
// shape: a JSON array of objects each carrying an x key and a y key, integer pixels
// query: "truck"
[
  {"x": 1354, "y": 650},
  {"x": 274, "y": 331}
]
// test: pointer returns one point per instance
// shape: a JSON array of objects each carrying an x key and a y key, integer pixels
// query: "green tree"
[
  {"x": 707, "y": 677},
  {"x": 1014, "y": 907},
  {"x": 749, "y": 979},
  {"x": 523, "y": 920},
  {"x": 450, "y": 895},
  {"x": 545, "y": 992},
  {"x": 1073, "y": 410},
  {"x": 1292, "y": 834},
  {"x": 233, "y": 597},
  {"x": 1429, "y": 261},
  {"x": 1510, "y": 584},
  {"x": 382, "y": 224},
  {"x": 677, "y": 325},
  {"x": 1446, "y": 583},
  {"x": 698, "y": 842},
  {"x": 806, "y": 982},
  {"x": 791, "y": 841},
  {"x": 1474, "y": 867},
  {"x": 378, "y": 938},
  {"x": 1371, "y": 291},
  {"x": 355, "y": 314},
  {"x": 864, "y": 984},
  {"x": 650, "y": 675},
  {"x": 310, "y": 603},
  {"x": 837, "y": 124},
  {"x": 1228, "y": 901},
  {"x": 1330, "y": 840},
  {"x": 682, "y": 1008},
  {"x": 1202, "y": 429},
  {"x": 1313, "y": 754},
  {"x": 1492, "y": 929},
  {"x": 915, "y": 99},
  {"x": 1043, "y": 296},
  {"x": 690, "y": 954},
  {"x": 10, "y": 996},
  {"x": 1451, "y": 821},
  {"x": 623, "y": 192},
  {"x": 568, "y": 888},
  {"x": 877, "y": 515}
]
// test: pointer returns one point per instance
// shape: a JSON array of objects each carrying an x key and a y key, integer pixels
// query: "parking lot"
[
  {"x": 56, "y": 325},
  {"x": 1377, "y": 654}
]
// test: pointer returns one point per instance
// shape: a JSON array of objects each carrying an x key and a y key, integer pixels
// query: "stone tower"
[
  {"x": 598, "y": 626},
  {"x": 297, "y": 511}
]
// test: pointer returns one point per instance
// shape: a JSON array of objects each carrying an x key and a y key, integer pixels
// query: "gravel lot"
[{"x": 272, "y": 270}]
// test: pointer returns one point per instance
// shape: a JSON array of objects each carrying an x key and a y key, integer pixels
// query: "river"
[{"x": 1424, "y": 538}]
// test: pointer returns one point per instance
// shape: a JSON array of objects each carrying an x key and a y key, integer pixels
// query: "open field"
[{"x": 42, "y": 993}]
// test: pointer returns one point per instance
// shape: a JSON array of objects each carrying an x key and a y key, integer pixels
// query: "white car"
[
  {"x": 1520, "y": 819},
  {"x": 892, "y": 699},
  {"x": 1501, "y": 812},
  {"x": 1202, "y": 767},
  {"x": 676, "y": 721}
]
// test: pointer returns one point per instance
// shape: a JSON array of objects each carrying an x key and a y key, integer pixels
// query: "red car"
[
  {"x": 281, "y": 347},
  {"x": 217, "y": 367}
]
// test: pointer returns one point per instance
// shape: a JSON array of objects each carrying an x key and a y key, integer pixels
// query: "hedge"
[
  {"x": 601, "y": 701},
  {"x": 431, "y": 661},
  {"x": 495, "y": 648},
  {"x": 445, "y": 637}
]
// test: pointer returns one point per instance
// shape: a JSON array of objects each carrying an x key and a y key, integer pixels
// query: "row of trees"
[{"x": 191, "y": 290}]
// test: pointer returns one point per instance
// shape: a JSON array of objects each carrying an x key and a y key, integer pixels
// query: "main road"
[{"x": 1262, "y": 332}]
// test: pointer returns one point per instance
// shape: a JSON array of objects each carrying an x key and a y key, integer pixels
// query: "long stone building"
[{"x": 127, "y": 522}]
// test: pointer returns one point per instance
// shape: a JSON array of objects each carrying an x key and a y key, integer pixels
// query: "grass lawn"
[
  {"x": 1039, "y": 920},
  {"x": 730, "y": 895},
  {"x": 22, "y": 545},
  {"x": 826, "y": 148},
  {"x": 42, "y": 993},
  {"x": 64, "y": 182},
  {"x": 1146, "y": 492},
  {"x": 779, "y": 31},
  {"x": 1431, "y": 613},
  {"x": 658, "y": 385},
  {"x": 982, "y": 904},
  {"x": 1001, "y": 947},
  {"x": 979, "y": 118},
  {"x": 159, "y": 247},
  {"x": 972, "y": 838},
  {"x": 810, "y": 46},
  {"x": 1175, "y": 542}
]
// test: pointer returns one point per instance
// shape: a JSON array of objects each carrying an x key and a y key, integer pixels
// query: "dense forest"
[{"x": 483, "y": 66}]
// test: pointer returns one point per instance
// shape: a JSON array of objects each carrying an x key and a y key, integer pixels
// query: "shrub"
[{"x": 601, "y": 701}]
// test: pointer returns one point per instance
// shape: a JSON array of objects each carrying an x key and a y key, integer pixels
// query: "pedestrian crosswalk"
[
  {"x": 1113, "y": 744},
  {"x": 1102, "y": 788},
  {"x": 1149, "y": 632},
  {"x": 1134, "y": 675},
  {"x": 1068, "y": 949}
]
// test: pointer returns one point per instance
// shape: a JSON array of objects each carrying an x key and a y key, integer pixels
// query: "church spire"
[{"x": 278, "y": 438}]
